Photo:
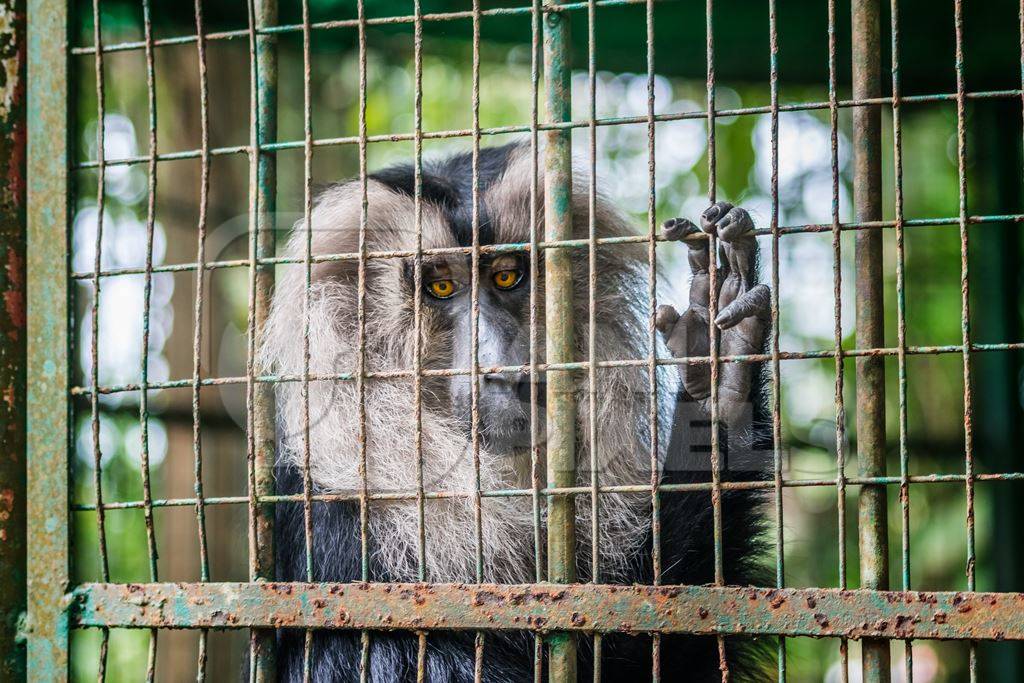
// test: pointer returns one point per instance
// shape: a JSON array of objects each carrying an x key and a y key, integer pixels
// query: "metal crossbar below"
[{"x": 560, "y": 613}]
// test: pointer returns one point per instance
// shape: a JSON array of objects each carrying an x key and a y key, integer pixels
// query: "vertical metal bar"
[
  {"x": 837, "y": 325},
  {"x": 47, "y": 419},
  {"x": 94, "y": 404},
  {"x": 780, "y": 563},
  {"x": 558, "y": 326},
  {"x": 965, "y": 311},
  {"x": 536, "y": 58},
  {"x": 535, "y": 478},
  {"x": 867, "y": 188},
  {"x": 197, "y": 322},
  {"x": 652, "y": 334},
  {"x": 307, "y": 213},
  {"x": 901, "y": 320},
  {"x": 12, "y": 340},
  {"x": 716, "y": 465},
  {"x": 147, "y": 489},
  {"x": 474, "y": 370},
  {"x": 262, "y": 191},
  {"x": 592, "y": 437},
  {"x": 364, "y": 497},
  {"x": 421, "y": 651}
]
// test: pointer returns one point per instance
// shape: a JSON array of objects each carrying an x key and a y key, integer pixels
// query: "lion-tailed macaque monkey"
[{"x": 384, "y": 434}]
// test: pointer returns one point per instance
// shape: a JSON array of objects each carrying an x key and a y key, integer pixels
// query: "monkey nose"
[{"x": 515, "y": 383}]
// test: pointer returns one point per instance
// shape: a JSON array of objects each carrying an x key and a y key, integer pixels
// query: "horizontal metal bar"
[
  {"x": 545, "y": 367},
  {"x": 701, "y": 610},
  {"x": 507, "y": 130},
  {"x": 809, "y": 228},
  {"x": 562, "y": 491},
  {"x": 345, "y": 23}
]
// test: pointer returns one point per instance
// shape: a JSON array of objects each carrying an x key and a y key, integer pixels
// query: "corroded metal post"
[
  {"x": 12, "y": 338},
  {"x": 263, "y": 413},
  {"x": 558, "y": 322},
  {"x": 867, "y": 192},
  {"x": 47, "y": 341}
]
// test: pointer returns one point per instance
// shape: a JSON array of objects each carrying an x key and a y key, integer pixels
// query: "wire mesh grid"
[{"x": 559, "y": 617}]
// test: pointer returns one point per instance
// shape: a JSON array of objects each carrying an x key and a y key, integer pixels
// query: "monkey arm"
[{"x": 743, "y": 310}]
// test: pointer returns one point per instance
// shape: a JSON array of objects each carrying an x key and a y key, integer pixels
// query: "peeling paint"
[{"x": 549, "y": 608}]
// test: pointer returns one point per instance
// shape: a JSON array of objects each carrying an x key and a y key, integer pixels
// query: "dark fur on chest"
[{"x": 687, "y": 545}]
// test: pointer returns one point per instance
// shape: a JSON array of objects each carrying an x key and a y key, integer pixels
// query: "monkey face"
[{"x": 502, "y": 340}]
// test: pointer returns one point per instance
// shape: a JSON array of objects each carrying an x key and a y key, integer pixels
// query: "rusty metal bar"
[
  {"x": 48, "y": 424},
  {"x": 702, "y": 610},
  {"x": 260, "y": 396},
  {"x": 197, "y": 324},
  {"x": 652, "y": 337},
  {"x": 552, "y": 244},
  {"x": 776, "y": 370},
  {"x": 582, "y": 123},
  {"x": 350, "y": 23},
  {"x": 901, "y": 319},
  {"x": 144, "y": 463},
  {"x": 837, "y": 325},
  {"x": 12, "y": 339},
  {"x": 539, "y": 555},
  {"x": 364, "y": 500},
  {"x": 965, "y": 314},
  {"x": 558, "y": 326},
  {"x": 867, "y": 187}
]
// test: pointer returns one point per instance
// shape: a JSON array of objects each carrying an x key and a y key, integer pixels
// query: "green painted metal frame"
[
  {"x": 48, "y": 427},
  {"x": 873, "y": 524},
  {"x": 558, "y": 327}
]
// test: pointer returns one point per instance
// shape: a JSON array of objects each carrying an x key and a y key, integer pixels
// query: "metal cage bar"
[
  {"x": 558, "y": 329},
  {"x": 48, "y": 418},
  {"x": 261, "y": 442},
  {"x": 870, "y": 371}
]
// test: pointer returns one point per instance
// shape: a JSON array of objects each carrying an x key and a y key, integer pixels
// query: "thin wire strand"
[
  {"x": 837, "y": 312},
  {"x": 197, "y": 326},
  {"x": 364, "y": 497},
  {"x": 474, "y": 376},
  {"x": 965, "y": 313},
  {"x": 94, "y": 331},
  {"x": 901, "y": 319},
  {"x": 534, "y": 256},
  {"x": 595, "y": 505},
  {"x": 716, "y": 472},
  {"x": 250, "y": 384},
  {"x": 652, "y": 333},
  {"x": 417, "y": 317},
  {"x": 147, "y": 291},
  {"x": 776, "y": 322},
  {"x": 307, "y": 216}
]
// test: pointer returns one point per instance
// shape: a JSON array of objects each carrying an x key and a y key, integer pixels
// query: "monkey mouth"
[{"x": 507, "y": 434}]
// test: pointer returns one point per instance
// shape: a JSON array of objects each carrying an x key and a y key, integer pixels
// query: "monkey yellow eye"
[
  {"x": 442, "y": 289},
  {"x": 507, "y": 279}
]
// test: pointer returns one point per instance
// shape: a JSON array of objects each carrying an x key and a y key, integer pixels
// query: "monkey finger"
[
  {"x": 665, "y": 319},
  {"x": 735, "y": 223},
  {"x": 709, "y": 219},
  {"x": 754, "y": 303},
  {"x": 683, "y": 230}
]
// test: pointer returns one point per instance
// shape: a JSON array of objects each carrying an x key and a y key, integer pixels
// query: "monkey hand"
[{"x": 742, "y": 312}]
